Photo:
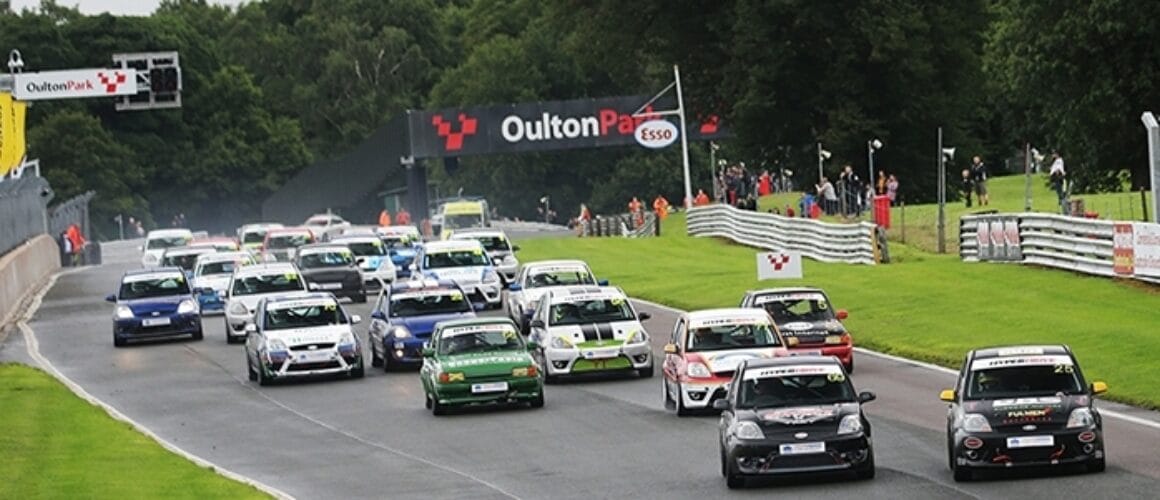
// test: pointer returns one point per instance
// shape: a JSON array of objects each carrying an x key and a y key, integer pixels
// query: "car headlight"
[
  {"x": 401, "y": 332},
  {"x": 636, "y": 337},
  {"x": 837, "y": 339},
  {"x": 187, "y": 307},
  {"x": 510, "y": 260},
  {"x": 561, "y": 343},
  {"x": 746, "y": 430},
  {"x": 123, "y": 312},
  {"x": 850, "y": 424},
  {"x": 1081, "y": 417},
  {"x": 347, "y": 338},
  {"x": 974, "y": 422},
  {"x": 698, "y": 370},
  {"x": 238, "y": 309},
  {"x": 490, "y": 276},
  {"x": 276, "y": 345}
]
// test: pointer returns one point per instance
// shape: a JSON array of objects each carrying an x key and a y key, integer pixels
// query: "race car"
[
  {"x": 1023, "y": 406},
  {"x": 499, "y": 249},
  {"x": 184, "y": 257},
  {"x": 371, "y": 256},
  {"x": 211, "y": 275},
  {"x": 586, "y": 329},
  {"x": 537, "y": 277},
  {"x": 157, "y": 241},
  {"x": 280, "y": 245},
  {"x": 331, "y": 267},
  {"x": 463, "y": 262},
  {"x": 808, "y": 322},
  {"x": 479, "y": 361},
  {"x": 249, "y": 285},
  {"x": 402, "y": 246},
  {"x": 252, "y": 236},
  {"x": 218, "y": 244},
  {"x": 793, "y": 415},
  {"x": 325, "y": 224},
  {"x": 302, "y": 335},
  {"x": 152, "y": 304},
  {"x": 405, "y": 315},
  {"x": 705, "y": 349}
]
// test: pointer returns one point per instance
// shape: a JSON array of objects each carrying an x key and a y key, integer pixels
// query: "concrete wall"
[{"x": 22, "y": 269}]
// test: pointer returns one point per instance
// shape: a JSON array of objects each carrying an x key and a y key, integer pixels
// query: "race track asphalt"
[{"x": 372, "y": 438}]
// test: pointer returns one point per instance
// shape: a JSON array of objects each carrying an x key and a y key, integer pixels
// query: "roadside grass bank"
[
  {"x": 55, "y": 445},
  {"x": 923, "y": 306}
]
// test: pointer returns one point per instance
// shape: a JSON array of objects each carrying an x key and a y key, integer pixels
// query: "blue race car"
[
  {"x": 405, "y": 316},
  {"x": 154, "y": 303},
  {"x": 402, "y": 251}
]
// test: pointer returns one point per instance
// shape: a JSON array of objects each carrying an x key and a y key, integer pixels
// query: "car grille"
[
  {"x": 726, "y": 374},
  {"x": 318, "y": 346},
  {"x": 304, "y": 367},
  {"x": 796, "y": 461}
]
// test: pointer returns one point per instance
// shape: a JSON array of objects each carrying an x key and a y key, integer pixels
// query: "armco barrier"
[
  {"x": 822, "y": 241},
  {"x": 22, "y": 268},
  {"x": 1073, "y": 243}
]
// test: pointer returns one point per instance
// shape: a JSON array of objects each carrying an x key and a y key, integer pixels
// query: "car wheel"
[
  {"x": 199, "y": 334},
  {"x": 360, "y": 298},
  {"x": 376, "y": 361},
  {"x": 358, "y": 371},
  {"x": 118, "y": 341},
  {"x": 250, "y": 368},
  {"x": 646, "y": 372},
  {"x": 680, "y": 402},
  {"x": 538, "y": 401},
  {"x": 437, "y": 408},
  {"x": 263, "y": 380},
  {"x": 733, "y": 480},
  {"x": 962, "y": 473},
  {"x": 668, "y": 404},
  {"x": 1097, "y": 465},
  {"x": 950, "y": 455},
  {"x": 427, "y": 400},
  {"x": 867, "y": 470},
  {"x": 387, "y": 365},
  {"x": 850, "y": 367}
]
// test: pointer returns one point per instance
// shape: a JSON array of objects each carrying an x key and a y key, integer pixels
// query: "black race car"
[
  {"x": 332, "y": 268},
  {"x": 1021, "y": 406},
  {"x": 793, "y": 415}
]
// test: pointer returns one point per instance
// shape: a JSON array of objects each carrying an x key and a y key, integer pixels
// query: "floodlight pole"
[
  {"x": 820, "y": 160},
  {"x": 684, "y": 138},
  {"x": 870, "y": 158},
  {"x": 1027, "y": 175},
  {"x": 942, "y": 194},
  {"x": 1153, "y": 129}
]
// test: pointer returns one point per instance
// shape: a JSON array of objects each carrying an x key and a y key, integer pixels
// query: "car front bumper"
[
  {"x": 178, "y": 325},
  {"x": 461, "y": 393},
  {"x": 298, "y": 364},
  {"x": 373, "y": 279},
  {"x": 844, "y": 353},
  {"x": 575, "y": 360},
  {"x": 486, "y": 292},
  {"x": 404, "y": 351},
  {"x": 700, "y": 395},
  {"x": 995, "y": 453},
  {"x": 349, "y": 289},
  {"x": 764, "y": 457},
  {"x": 211, "y": 302}
]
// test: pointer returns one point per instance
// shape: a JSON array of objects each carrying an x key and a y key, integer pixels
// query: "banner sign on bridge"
[
  {"x": 542, "y": 126},
  {"x": 74, "y": 83}
]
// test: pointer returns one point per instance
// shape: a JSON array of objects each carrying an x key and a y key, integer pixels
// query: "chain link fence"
[
  {"x": 23, "y": 203},
  {"x": 75, "y": 211}
]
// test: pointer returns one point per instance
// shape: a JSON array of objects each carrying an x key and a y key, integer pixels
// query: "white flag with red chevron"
[{"x": 779, "y": 265}]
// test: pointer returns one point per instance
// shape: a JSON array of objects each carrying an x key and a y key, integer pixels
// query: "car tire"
[
  {"x": 962, "y": 473},
  {"x": 646, "y": 372},
  {"x": 667, "y": 402},
  {"x": 1097, "y": 465},
  {"x": 388, "y": 366},
  {"x": 198, "y": 335},
  {"x": 376, "y": 361},
  {"x": 427, "y": 400},
  {"x": 263, "y": 380},
  {"x": 358, "y": 371},
  {"x": 538, "y": 401},
  {"x": 680, "y": 403},
  {"x": 437, "y": 408},
  {"x": 867, "y": 470},
  {"x": 850, "y": 367},
  {"x": 118, "y": 341},
  {"x": 359, "y": 298},
  {"x": 733, "y": 480}
]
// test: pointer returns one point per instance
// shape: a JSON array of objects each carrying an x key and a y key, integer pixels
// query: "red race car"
[{"x": 807, "y": 320}]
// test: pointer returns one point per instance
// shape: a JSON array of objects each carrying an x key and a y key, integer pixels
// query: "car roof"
[
  {"x": 355, "y": 237},
  {"x": 423, "y": 284},
  {"x": 189, "y": 250},
  {"x": 152, "y": 270},
  {"x": 163, "y": 233},
  {"x": 557, "y": 263},
  {"x": 786, "y": 290},
  {"x": 289, "y": 230},
  {"x": 452, "y": 245},
  {"x": 1020, "y": 350},
  {"x": 262, "y": 225},
  {"x": 478, "y": 320},
  {"x": 576, "y": 293},
  {"x": 723, "y": 315},
  {"x": 328, "y": 245},
  {"x": 266, "y": 268},
  {"x": 790, "y": 361},
  {"x": 286, "y": 297},
  {"x": 224, "y": 256}
]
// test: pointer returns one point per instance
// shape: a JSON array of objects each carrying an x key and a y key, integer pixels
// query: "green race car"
[{"x": 479, "y": 361}]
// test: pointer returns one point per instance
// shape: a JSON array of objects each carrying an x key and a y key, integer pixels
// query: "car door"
[
  {"x": 378, "y": 324},
  {"x": 539, "y": 335},
  {"x": 255, "y": 340},
  {"x": 727, "y": 415},
  {"x": 668, "y": 366}
]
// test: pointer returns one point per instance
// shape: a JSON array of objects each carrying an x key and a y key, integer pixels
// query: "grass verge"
[
  {"x": 55, "y": 445},
  {"x": 924, "y": 306}
]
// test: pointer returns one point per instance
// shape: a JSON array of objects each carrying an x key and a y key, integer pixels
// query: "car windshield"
[
  {"x": 269, "y": 283},
  {"x": 304, "y": 316},
  {"x": 185, "y": 261},
  {"x": 1023, "y": 381},
  {"x": 289, "y": 241},
  {"x": 482, "y": 341},
  {"x": 254, "y": 236},
  {"x": 461, "y": 221},
  {"x": 459, "y": 258},
  {"x": 405, "y": 305},
  {"x": 365, "y": 249},
  {"x": 788, "y": 309},
  {"x": 560, "y": 278},
  {"x": 493, "y": 243},
  {"x": 167, "y": 242},
  {"x": 590, "y": 311},
  {"x": 737, "y": 336},
  {"x": 795, "y": 390},
  {"x": 153, "y": 285},
  {"x": 222, "y": 267},
  {"x": 397, "y": 242},
  {"x": 325, "y": 259}
]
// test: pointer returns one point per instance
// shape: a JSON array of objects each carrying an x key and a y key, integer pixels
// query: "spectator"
[
  {"x": 892, "y": 189},
  {"x": 967, "y": 185},
  {"x": 806, "y": 202},
  {"x": 702, "y": 199},
  {"x": 979, "y": 176},
  {"x": 77, "y": 243},
  {"x": 1059, "y": 181},
  {"x": 828, "y": 196},
  {"x": 384, "y": 218},
  {"x": 881, "y": 182},
  {"x": 851, "y": 191},
  {"x": 403, "y": 217},
  {"x": 66, "y": 249},
  {"x": 764, "y": 184},
  {"x": 661, "y": 207}
]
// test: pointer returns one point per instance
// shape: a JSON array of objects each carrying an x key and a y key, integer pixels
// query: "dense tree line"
[{"x": 272, "y": 86}]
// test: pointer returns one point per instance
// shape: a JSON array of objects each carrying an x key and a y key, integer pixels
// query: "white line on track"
[
  {"x": 33, "y": 347},
  {"x": 942, "y": 369}
]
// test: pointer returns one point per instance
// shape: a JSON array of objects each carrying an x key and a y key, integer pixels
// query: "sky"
[{"x": 115, "y": 7}]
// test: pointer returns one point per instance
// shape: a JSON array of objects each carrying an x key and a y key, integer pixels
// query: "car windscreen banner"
[{"x": 544, "y": 126}]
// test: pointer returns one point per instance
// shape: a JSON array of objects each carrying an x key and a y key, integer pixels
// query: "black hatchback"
[
  {"x": 1022, "y": 406},
  {"x": 331, "y": 268},
  {"x": 791, "y": 416}
]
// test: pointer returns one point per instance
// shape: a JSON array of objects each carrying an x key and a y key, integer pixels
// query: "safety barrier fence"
[
  {"x": 625, "y": 225},
  {"x": 1091, "y": 246},
  {"x": 856, "y": 243},
  {"x": 23, "y": 215}
]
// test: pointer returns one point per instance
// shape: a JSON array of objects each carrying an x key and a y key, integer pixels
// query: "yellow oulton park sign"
[{"x": 12, "y": 145}]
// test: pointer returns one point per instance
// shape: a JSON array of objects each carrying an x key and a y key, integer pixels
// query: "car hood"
[
  {"x": 527, "y": 297},
  {"x": 486, "y": 364},
  {"x": 251, "y": 301},
  {"x": 303, "y": 336},
  {"x": 807, "y": 329},
  {"x": 216, "y": 281},
  {"x": 817, "y": 422},
  {"x": 161, "y": 305},
  {"x": 422, "y": 326},
  {"x": 603, "y": 334},
  {"x": 372, "y": 262},
  {"x": 471, "y": 274},
  {"x": 724, "y": 362},
  {"x": 328, "y": 273},
  {"x": 1024, "y": 411}
]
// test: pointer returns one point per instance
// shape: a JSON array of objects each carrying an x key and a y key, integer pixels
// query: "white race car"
[
  {"x": 587, "y": 329},
  {"x": 498, "y": 247},
  {"x": 371, "y": 255},
  {"x": 251, "y": 284},
  {"x": 707, "y": 347},
  {"x": 212, "y": 271},
  {"x": 302, "y": 335},
  {"x": 537, "y": 277},
  {"x": 156, "y": 242},
  {"x": 464, "y": 262}
]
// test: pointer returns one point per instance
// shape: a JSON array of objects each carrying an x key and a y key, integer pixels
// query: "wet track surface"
[{"x": 372, "y": 438}]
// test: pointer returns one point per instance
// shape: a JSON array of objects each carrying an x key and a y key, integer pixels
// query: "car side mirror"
[
  {"x": 670, "y": 348},
  {"x": 251, "y": 328},
  {"x": 866, "y": 397},
  {"x": 947, "y": 395},
  {"x": 355, "y": 319},
  {"x": 428, "y": 352},
  {"x": 536, "y": 323},
  {"x": 1099, "y": 387},
  {"x": 533, "y": 345},
  {"x": 842, "y": 314},
  {"x": 515, "y": 287},
  {"x": 643, "y": 316},
  {"x": 721, "y": 404},
  {"x": 360, "y": 261},
  {"x": 515, "y": 248},
  {"x": 378, "y": 315},
  {"x": 478, "y": 306},
  {"x": 112, "y": 297},
  {"x": 602, "y": 282}
]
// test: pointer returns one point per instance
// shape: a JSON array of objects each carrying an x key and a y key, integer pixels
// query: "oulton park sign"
[
  {"x": 76, "y": 83},
  {"x": 552, "y": 125}
]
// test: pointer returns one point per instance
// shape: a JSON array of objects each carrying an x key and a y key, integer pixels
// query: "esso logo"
[{"x": 656, "y": 134}]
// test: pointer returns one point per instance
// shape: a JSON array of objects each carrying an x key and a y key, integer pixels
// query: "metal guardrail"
[
  {"x": 857, "y": 243},
  {"x": 22, "y": 210},
  {"x": 1077, "y": 244},
  {"x": 625, "y": 225}
]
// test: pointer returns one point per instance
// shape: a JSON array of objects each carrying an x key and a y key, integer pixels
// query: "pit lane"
[{"x": 372, "y": 438}]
